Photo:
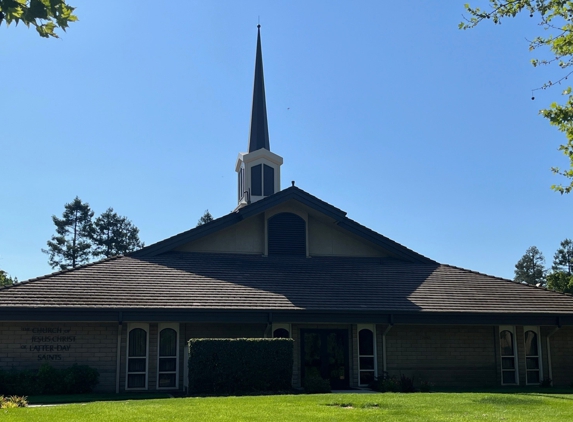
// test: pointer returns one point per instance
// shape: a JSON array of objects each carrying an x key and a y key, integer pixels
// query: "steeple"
[
  {"x": 259, "y": 127},
  {"x": 259, "y": 169}
]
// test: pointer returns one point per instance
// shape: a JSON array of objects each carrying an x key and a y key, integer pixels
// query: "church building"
[{"x": 285, "y": 263}]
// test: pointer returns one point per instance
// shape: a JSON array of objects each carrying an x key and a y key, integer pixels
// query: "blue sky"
[{"x": 419, "y": 131}]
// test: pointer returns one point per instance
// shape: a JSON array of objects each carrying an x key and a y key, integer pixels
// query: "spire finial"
[{"x": 259, "y": 127}]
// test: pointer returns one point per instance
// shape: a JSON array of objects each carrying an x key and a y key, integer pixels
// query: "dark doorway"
[{"x": 325, "y": 354}]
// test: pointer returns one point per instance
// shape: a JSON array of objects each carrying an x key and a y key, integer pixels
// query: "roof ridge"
[
  {"x": 534, "y": 286},
  {"x": 56, "y": 273},
  {"x": 375, "y": 233}
]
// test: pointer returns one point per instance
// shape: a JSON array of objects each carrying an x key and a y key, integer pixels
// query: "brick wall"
[
  {"x": 561, "y": 343},
  {"x": 26, "y": 345},
  {"x": 444, "y": 355}
]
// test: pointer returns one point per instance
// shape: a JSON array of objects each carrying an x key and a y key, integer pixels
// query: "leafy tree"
[
  {"x": 530, "y": 268},
  {"x": 206, "y": 218},
  {"x": 114, "y": 235},
  {"x": 45, "y": 15},
  {"x": 560, "y": 281},
  {"x": 6, "y": 280},
  {"x": 555, "y": 17},
  {"x": 72, "y": 244}
]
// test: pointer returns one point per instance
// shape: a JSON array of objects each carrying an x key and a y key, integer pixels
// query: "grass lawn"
[{"x": 537, "y": 407}]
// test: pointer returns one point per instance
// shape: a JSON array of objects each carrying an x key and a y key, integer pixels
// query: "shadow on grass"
[
  {"x": 88, "y": 398},
  {"x": 509, "y": 390},
  {"x": 510, "y": 400}
]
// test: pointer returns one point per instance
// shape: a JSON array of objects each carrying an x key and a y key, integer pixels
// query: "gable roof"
[
  {"x": 217, "y": 282},
  {"x": 291, "y": 193}
]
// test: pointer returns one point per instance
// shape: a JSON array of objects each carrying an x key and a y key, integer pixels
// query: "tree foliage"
[
  {"x": 563, "y": 258},
  {"x": 561, "y": 279},
  {"x": 44, "y": 15},
  {"x": 79, "y": 238},
  {"x": 555, "y": 17},
  {"x": 205, "y": 218},
  {"x": 6, "y": 280},
  {"x": 530, "y": 268},
  {"x": 72, "y": 244},
  {"x": 114, "y": 235}
]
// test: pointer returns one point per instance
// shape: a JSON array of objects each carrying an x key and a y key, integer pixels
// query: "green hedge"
[
  {"x": 76, "y": 379},
  {"x": 231, "y": 366}
]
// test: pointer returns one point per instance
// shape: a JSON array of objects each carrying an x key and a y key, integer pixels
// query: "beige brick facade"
[
  {"x": 444, "y": 355},
  {"x": 26, "y": 345},
  {"x": 448, "y": 356}
]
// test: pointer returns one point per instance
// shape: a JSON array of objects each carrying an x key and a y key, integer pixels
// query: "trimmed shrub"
[
  {"x": 316, "y": 385},
  {"x": 231, "y": 366},
  {"x": 76, "y": 379}
]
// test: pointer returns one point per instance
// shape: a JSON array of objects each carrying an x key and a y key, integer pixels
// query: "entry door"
[{"x": 325, "y": 354}]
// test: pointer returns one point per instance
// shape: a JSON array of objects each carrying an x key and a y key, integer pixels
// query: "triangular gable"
[{"x": 354, "y": 233}]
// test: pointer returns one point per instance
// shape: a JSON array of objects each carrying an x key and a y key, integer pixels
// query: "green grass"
[{"x": 537, "y": 407}]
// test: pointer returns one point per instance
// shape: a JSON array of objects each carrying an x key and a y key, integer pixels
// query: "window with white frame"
[
  {"x": 168, "y": 356},
  {"x": 366, "y": 354},
  {"x": 508, "y": 352},
  {"x": 532, "y": 355},
  {"x": 281, "y": 331},
  {"x": 137, "y": 354}
]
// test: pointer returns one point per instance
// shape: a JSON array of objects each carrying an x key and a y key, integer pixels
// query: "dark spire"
[{"x": 259, "y": 127}]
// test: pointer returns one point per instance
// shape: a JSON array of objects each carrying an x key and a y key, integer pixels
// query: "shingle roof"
[{"x": 181, "y": 280}]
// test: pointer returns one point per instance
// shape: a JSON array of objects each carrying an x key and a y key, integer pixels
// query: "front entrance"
[{"x": 325, "y": 354}]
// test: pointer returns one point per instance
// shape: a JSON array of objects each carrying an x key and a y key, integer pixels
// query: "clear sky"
[{"x": 419, "y": 131}]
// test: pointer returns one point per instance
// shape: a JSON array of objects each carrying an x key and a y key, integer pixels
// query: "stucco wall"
[
  {"x": 329, "y": 240},
  {"x": 244, "y": 237},
  {"x": 27, "y": 345}
]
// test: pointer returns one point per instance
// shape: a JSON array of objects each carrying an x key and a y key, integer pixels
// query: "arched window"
[
  {"x": 508, "y": 356},
  {"x": 366, "y": 355},
  {"x": 137, "y": 357},
  {"x": 286, "y": 234},
  {"x": 167, "y": 357},
  {"x": 532, "y": 356},
  {"x": 281, "y": 333}
]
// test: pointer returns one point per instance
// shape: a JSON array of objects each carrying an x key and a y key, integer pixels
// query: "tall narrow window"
[
  {"x": 268, "y": 180},
  {"x": 240, "y": 184},
  {"x": 257, "y": 180},
  {"x": 508, "y": 356},
  {"x": 532, "y": 356},
  {"x": 366, "y": 355},
  {"x": 137, "y": 356},
  {"x": 167, "y": 356}
]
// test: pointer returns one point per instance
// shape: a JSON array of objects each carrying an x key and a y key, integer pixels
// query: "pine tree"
[
  {"x": 206, "y": 218},
  {"x": 531, "y": 267},
  {"x": 6, "y": 280},
  {"x": 563, "y": 258},
  {"x": 561, "y": 279},
  {"x": 72, "y": 244},
  {"x": 114, "y": 235}
]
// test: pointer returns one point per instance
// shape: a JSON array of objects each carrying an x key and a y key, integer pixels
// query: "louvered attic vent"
[{"x": 287, "y": 234}]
